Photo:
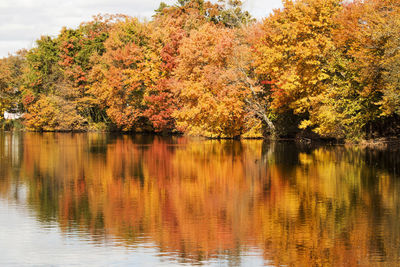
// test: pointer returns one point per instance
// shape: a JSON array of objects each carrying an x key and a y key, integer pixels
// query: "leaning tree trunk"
[{"x": 255, "y": 107}]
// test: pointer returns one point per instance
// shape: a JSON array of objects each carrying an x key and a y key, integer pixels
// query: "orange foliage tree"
[
  {"x": 124, "y": 72},
  {"x": 210, "y": 84}
]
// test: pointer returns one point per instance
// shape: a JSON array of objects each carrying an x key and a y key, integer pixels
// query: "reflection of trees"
[
  {"x": 200, "y": 199},
  {"x": 10, "y": 162},
  {"x": 329, "y": 209}
]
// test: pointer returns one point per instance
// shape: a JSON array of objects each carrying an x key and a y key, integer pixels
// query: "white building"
[{"x": 12, "y": 116}]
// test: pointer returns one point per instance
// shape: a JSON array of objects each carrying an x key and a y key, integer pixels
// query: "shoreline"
[{"x": 380, "y": 142}]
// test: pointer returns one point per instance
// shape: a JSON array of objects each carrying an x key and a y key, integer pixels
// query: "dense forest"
[{"x": 327, "y": 67}]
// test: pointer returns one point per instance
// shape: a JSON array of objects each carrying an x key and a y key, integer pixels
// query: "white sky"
[{"x": 24, "y": 21}]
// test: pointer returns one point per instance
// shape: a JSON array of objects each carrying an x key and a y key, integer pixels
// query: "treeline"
[{"x": 327, "y": 66}]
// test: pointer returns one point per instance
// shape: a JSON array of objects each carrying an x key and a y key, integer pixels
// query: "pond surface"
[{"x": 101, "y": 200}]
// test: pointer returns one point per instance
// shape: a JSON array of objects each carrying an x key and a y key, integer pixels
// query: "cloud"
[
  {"x": 24, "y": 21},
  {"x": 260, "y": 9}
]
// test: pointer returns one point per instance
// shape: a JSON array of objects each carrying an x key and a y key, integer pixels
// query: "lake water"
[{"x": 119, "y": 200}]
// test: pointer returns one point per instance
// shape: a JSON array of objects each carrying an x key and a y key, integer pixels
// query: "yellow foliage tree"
[{"x": 293, "y": 52}]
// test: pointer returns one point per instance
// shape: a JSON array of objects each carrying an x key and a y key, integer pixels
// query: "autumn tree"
[
  {"x": 292, "y": 54},
  {"x": 171, "y": 24},
  {"x": 5, "y": 80},
  {"x": 361, "y": 95},
  {"x": 11, "y": 71},
  {"x": 188, "y": 47},
  {"x": 209, "y": 87},
  {"x": 45, "y": 89},
  {"x": 369, "y": 40},
  {"x": 124, "y": 73},
  {"x": 77, "y": 49},
  {"x": 57, "y": 77}
]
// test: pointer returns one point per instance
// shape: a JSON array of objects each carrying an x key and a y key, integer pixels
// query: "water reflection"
[{"x": 196, "y": 201}]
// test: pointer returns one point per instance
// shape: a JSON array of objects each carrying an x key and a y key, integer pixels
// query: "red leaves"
[
  {"x": 27, "y": 99},
  {"x": 267, "y": 82},
  {"x": 160, "y": 107}
]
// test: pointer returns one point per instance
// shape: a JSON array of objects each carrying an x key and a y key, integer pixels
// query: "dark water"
[{"x": 96, "y": 199}]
